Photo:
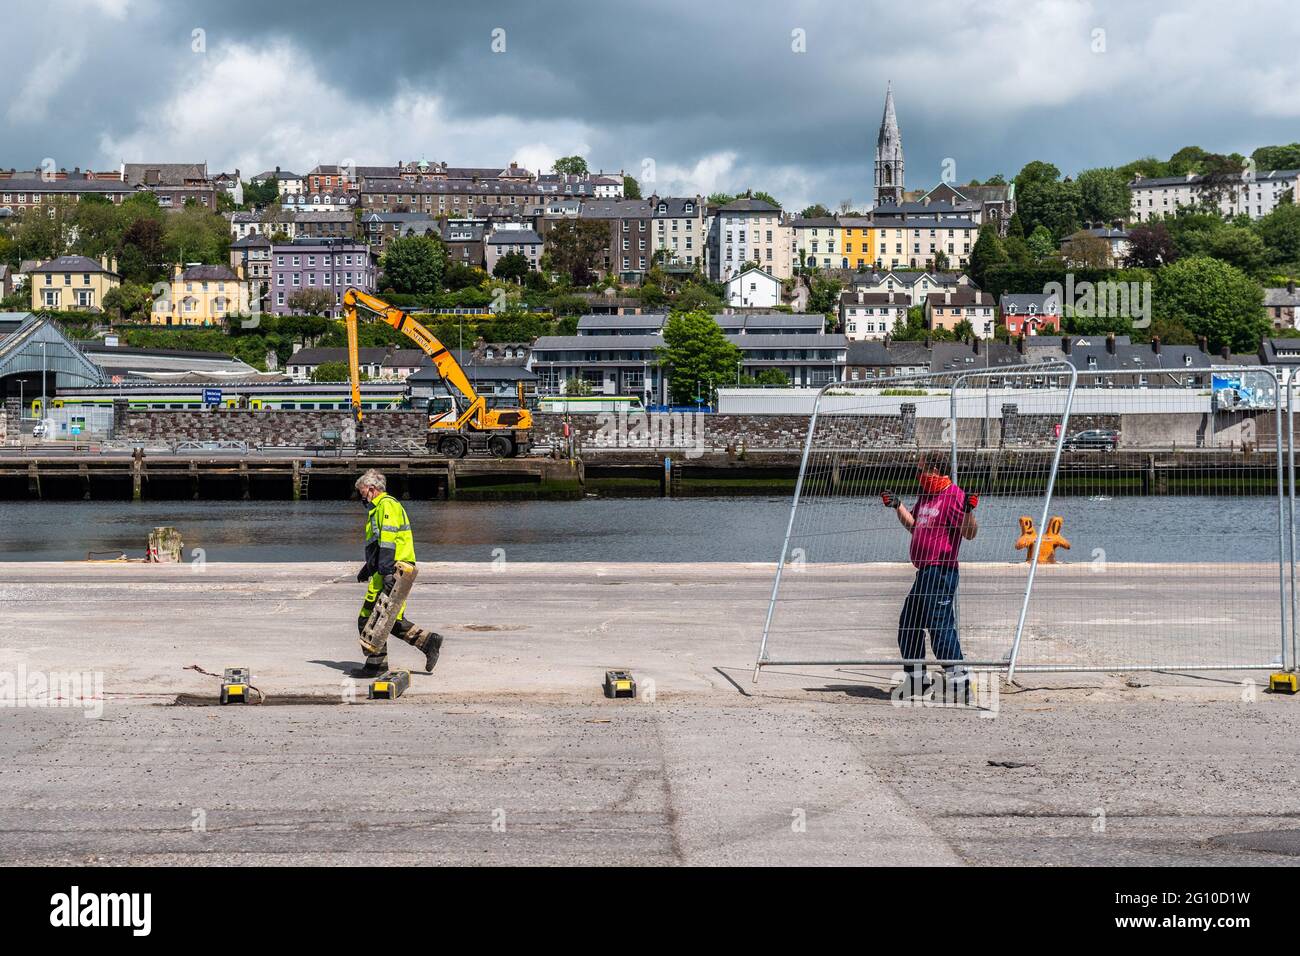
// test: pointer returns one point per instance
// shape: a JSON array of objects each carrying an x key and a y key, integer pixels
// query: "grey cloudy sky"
[{"x": 712, "y": 92}]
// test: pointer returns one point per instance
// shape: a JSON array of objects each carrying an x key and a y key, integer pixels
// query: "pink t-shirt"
[{"x": 936, "y": 537}]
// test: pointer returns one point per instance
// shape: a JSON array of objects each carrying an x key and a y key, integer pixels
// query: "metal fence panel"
[
  {"x": 1170, "y": 551},
  {"x": 846, "y": 584}
]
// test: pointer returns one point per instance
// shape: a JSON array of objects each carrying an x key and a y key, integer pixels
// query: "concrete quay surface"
[{"x": 508, "y": 753}]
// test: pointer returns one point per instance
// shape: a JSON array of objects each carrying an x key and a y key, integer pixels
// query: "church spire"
[{"x": 889, "y": 154}]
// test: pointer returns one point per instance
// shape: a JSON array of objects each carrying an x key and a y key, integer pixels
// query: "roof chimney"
[
  {"x": 947, "y": 298},
  {"x": 1203, "y": 344},
  {"x": 1020, "y": 343},
  {"x": 1226, "y": 353},
  {"x": 1110, "y": 342},
  {"x": 1067, "y": 344},
  {"x": 888, "y": 339},
  {"x": 1290, "y": 286},
  {"x": 1155, "y": 344},
  {"x": 975, "y": 344}
]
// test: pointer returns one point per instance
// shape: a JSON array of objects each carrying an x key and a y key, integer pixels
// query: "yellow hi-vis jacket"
[{"x": 388, "y": 535}]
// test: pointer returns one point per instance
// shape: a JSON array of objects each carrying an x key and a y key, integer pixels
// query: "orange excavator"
[{"x": 460, "y": 422}]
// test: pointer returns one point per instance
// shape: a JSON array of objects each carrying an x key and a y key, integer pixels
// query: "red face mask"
[{"x": 932, "y": 484}]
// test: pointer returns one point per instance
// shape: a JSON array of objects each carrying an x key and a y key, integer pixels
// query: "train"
[{"x": 302, "y": 396}]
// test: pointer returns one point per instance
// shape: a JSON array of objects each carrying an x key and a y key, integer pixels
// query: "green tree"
[
  {"x": 258, "y": 195},
  {"x": 575, "y": 247},
  {"x": 1147, "y": 167},
  {"x": 652, "y": 295},
  {"x": 462, "y": 276},
  {"x": 311, "y": 301},
  {"x": 1186, "y": 160},
  {"x": 571, "y": 166},
  {"x": 1040, "y": 244},
  {"x": 769, "y": 376},
  {"x": 333, "y": 372},
  {"x": 694, "y": 297},
  {"x": 46, "y": 232},
  {"x": 1238, "y": 246},
  {"x": 720, "y": 199},
  {"x": 824, "y": 295},
  {"x": 1277, "y": 157},
  {"x": 1280, "y": 231},
  {"x": 196, "y": 234},
  {"x": 99, "y": 226},
  {"x": 512, "y": 266},
  {"x": 988, "y": 252},
  {"x": 631, "y": 188},
  {"x": 414, "y": 265},
  {"x": 141, "y": 255},
  {"x": 1213, "y": 299},
  {"x": 815, "y": 211},
  {"x": 1051, "y": 204},
  {"x": 764, "y": 197},
  {"x": 129, "y": 302},
  {"x": 1036, "y": 171},
  {"x": 1103, "y": 195},
  {"x": 577, "y": 386},
  {"x": 697, "y": 355}
]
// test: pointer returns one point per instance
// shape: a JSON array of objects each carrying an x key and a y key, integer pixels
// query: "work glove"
[
  {"x": 971, "y": 502},
  {"x": 364, "y": 574},
  {"x": 890, "y": 499}
]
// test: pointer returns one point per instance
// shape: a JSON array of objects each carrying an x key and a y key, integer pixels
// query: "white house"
[
  {"x": 754, "y": 288},
  {"x": 1254, "y": 193}
]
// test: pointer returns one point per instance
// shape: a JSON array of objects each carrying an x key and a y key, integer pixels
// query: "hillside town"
[{"x": 588, "y": 281}]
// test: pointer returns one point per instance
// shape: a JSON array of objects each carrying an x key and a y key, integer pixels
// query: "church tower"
[{"x": 889, "y": 155}]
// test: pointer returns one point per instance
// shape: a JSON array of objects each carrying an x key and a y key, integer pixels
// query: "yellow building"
[
  {"x": 203, "y": 295},
  {"x": 856, "y": 243},
  {"x": 72, "y": 282}
]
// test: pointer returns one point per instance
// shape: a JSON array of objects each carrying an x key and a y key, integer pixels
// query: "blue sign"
[
  {"x": 212, "y": 396},
  {"x": 1243, "y": 390}
]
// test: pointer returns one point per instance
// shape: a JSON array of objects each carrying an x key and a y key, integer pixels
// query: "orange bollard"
[{"x": 1052, "y": 540}]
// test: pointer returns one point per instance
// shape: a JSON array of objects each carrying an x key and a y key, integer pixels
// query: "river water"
[{"x": 1150, "y": 529}]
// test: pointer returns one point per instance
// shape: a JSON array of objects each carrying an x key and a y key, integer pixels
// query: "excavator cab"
[{"x": 442, "y": 407}]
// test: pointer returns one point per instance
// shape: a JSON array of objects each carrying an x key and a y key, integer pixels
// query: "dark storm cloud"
[{"x": 986, "y": 86}]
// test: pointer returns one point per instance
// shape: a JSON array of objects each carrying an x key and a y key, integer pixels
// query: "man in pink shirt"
[{"x": 942, "y": 518}]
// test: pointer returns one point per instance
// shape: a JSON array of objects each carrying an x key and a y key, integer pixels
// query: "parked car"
[
  {"x": 38, "y": 430},
  {"x": 1105, "y": 439}
]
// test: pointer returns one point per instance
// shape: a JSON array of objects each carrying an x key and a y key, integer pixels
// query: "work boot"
[
  {"x": 373, "y": 667},
  {"x": 432, "y": 648},
  {"x": 954, "y": 687},
  {"x": 914, "y": 685}
]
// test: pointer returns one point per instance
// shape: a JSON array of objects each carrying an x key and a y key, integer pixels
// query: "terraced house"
[
  {"x": 749, "y": 230},
  {"x": 680, "y": 230},
  {"x": 73, "y": 282},
  {"x": 332, "y": 265},
  {"x": 22, "y": 191}
]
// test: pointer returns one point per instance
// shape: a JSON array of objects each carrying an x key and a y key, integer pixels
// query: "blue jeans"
[{"x": 929, "y": 607}]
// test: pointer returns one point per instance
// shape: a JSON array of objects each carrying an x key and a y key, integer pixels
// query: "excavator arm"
[{"x": 443, "y": 360}]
